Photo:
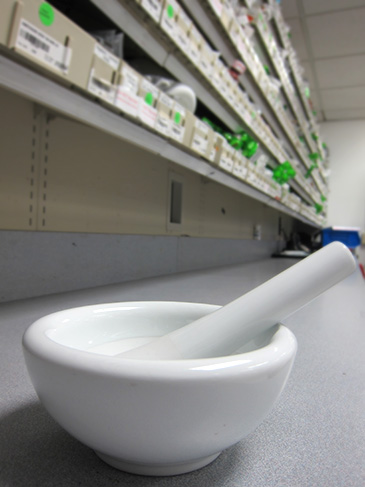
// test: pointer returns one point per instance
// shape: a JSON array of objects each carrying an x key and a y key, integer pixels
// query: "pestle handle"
[{"x": 233, "y": 325}]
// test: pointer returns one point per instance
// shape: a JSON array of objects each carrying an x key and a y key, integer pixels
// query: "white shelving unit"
[
  {"x": 41, "y": 90},
  {"x": 262, "y": 116}
]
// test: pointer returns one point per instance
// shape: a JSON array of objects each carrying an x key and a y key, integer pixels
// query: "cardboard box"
[
  {"x": 227, "y": 16},
  {"x": 239, "y": 166},
  {"x": 195, "y": 42},
  {"x": 183, "y": 25},
  {"x": 202, "y": 138},
  {"x": 103, "y": 74},
  {"x": 153, "y": 8},
  {"x": 50, "y": 41},
  {"x": 180, "y": 128},
  {"x": 164, "y": 108},
  {"x": 169, "y": 16},
  {"x": 217, "y": 147},
  {"x": 147, "y": 111},
  {"x": 127, "y": 88},
  {"x": 208, "y": 58},
  {"x": 226, "y": 159}
]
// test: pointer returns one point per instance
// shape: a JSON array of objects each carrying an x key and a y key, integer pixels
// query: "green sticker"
[
  {"x": 170, "y": 11},
  {"x": 148, "y": 98},
  {"x": 46, "y": 14},
  {"x": 177, "y": 117}
]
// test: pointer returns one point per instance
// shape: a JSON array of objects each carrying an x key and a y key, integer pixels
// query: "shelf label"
[{"x": 43, "y": 47}]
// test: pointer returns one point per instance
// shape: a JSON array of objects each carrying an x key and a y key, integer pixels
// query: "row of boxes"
[
  {"x": 175, "y": 24},
  {"x": 293, "y": 61},
  {"x": 244, "y": 46}
]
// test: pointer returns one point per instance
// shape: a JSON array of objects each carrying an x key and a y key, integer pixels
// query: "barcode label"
[
  {"x": 42, "y": 47},
  {"x": 34, "y": 40}
]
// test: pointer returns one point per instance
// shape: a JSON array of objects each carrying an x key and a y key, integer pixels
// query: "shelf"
[
  {"x": 166, "y": 55},
  {"x": 57, "y": 98},
  {"x": 209, "y": 24},
  {"x": 283, "y": 34}
]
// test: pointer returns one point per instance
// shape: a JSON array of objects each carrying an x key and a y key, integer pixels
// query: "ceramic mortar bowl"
[{"x": 151, "y": 417}]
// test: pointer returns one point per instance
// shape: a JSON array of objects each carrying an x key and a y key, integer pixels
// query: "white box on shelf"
[
  {"x": 148, "y": 94},
  {"x": 50, "y": 41},
  {"x": 183, "y": 26},
  {"x": 126, "y": 97},
  {"x": 240, "y": 166},
  {"x": 179, "y": 123},
  {"x": 169, "y": 17},
  {"x": 164, "y": 108},
  {"x": 217, "y": 147},
  {"x": 153, "y": 8},
  {"x": 226, "y": 159},
  {"x": 103, "y": 74},
  {"x": 202, "y": 138},
  {"x": 195, "y": 42}
]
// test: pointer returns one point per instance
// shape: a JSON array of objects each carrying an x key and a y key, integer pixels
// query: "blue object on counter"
[{"x": 349, "y": 236}]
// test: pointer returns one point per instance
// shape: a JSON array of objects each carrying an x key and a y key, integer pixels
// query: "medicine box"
[
  {"x": 103, "y": 74},
  {"x": 153, "y": 8},
  {"x": 183, "y": 26},
  {"x": 227, "y": 16},
  {"x": 164, "y": 108},
  {"x": 147, "y": 111},
  {"x": 48, "y": 39},
  {"x": 195, "y": 42},
  {"x": 208, "y": 58},
  {"x": 127, "y": 88},
  {"x": 202, "y": 138},
  {"x": 169, "y": 18},
  {"x": 239, "y": 166},
  {"x": 180, "y": 128},
  {"x": 217, "y": 147},
  {"x": 227, "y": 157}
]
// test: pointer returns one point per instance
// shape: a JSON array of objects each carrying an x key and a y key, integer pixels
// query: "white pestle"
[{"x": 225, "y": 330}]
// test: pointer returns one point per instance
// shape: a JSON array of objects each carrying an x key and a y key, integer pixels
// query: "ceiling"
[{"x": 329, "y": 37}]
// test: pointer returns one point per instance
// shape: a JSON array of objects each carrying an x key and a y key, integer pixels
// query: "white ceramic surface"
[
  {"x": 151, "y": 417},
  {"x": 255, "y": 312}
]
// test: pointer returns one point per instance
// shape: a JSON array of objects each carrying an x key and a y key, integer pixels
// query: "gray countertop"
[{"x": 314, "y": 436}]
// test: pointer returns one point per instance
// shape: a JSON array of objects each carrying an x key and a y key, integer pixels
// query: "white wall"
[{"x": 346, "y": 202}]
